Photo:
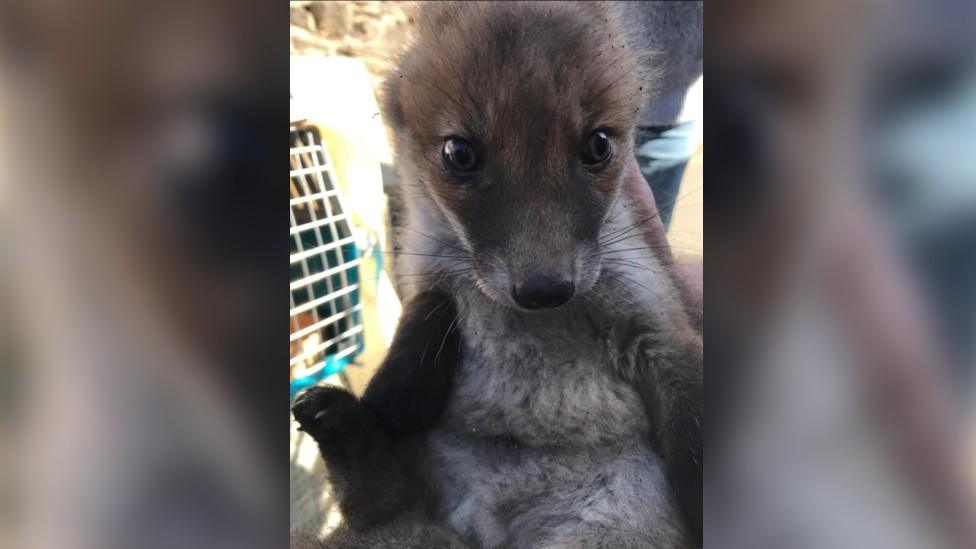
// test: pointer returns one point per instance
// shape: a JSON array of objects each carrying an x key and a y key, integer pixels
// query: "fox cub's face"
[{"x": 517, "y": 121}]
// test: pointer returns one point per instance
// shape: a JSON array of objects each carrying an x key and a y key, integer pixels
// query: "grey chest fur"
[
  {"x": 543, "y": 443},
  {"x": 544, "y": 380}
]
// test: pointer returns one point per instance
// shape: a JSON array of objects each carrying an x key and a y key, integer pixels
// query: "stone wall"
[{"x": 371, "y": 31}]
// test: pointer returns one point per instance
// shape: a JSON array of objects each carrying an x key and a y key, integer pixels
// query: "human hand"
[{"x": 690, "y": 275}]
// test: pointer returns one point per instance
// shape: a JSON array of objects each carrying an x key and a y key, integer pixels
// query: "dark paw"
[{"x": 325, "y": 412}]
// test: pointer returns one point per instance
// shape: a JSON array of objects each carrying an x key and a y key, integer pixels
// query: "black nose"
[{"x": 543, "y": 291}]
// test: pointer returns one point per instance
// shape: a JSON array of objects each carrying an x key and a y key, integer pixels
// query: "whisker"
[
  {"x": 613, "y": 234},
  {"x": 404, "y": 227},
  {"x": 397, "y": 252},
  {"x": 617, "y": 232},
  {"x": 604, "y": 252},
  {"x": 434, "y": 310},
  {"x": 437, "y": 273},
  {"x": 612, "y": 298},
  {"x": 631, "y": 280},
  {"x": 628, "y": 263},
  {"x": 667, "y": 247},
  {"x": 450, "y": 328}
]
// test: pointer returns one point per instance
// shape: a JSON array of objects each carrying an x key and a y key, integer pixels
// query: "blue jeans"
[{"x": 662, "y": 153}]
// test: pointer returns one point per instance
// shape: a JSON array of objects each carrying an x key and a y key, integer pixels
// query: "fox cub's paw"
[{"x": 328, "y": 413}]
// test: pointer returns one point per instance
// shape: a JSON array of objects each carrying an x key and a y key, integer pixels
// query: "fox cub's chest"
[
  {"x": 545, "y": 384},
  {"x": 541, "y": 432}
]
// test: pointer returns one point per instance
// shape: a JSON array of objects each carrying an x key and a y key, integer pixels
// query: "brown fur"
[{"x": 581, "y": 78}]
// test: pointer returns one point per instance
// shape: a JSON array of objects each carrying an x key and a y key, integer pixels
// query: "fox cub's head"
[{"x": 516, "y": 120}]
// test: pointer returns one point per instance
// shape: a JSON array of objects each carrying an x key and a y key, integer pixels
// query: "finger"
[
  {"x": 690, "y": 276},
  {"x": 645, "y": 207}
]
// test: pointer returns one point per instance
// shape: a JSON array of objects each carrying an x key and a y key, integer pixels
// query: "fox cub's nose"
[{"x": 543, "y": 291}]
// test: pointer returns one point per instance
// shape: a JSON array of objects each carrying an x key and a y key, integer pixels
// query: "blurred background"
[
  {"x": 839, "y": 387},
  {"x": 142, "y": 274}
]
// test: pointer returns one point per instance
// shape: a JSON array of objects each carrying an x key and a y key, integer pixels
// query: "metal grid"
[{"x": 325, "y": 307}]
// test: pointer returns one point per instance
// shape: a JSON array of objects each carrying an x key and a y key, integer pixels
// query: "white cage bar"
[{"x": 325, "y": 310}]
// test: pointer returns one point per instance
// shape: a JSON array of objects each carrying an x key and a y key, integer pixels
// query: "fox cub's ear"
[{"x": 410, "y": 390}]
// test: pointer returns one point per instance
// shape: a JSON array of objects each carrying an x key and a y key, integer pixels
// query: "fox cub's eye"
[
  {"x": 459, "y": 154},
  {"x": 596, "y": 148}
]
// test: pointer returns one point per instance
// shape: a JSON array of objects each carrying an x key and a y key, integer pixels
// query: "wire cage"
[{"x": 325, "y": 302}]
